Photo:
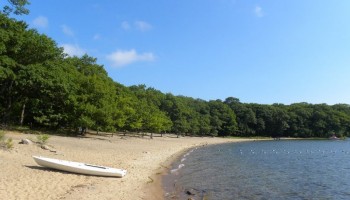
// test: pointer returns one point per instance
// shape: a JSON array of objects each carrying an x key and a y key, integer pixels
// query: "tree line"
[{"x": 42, "y": 87}]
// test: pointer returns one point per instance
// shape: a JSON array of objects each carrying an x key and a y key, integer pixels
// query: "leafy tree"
[
  {"x": 223, "y": 119},
  {"x": 17, "y": 7},
  {"x": 245, "y": 116},
  {"x": 125, "y": 107},
  {"x": 12, "y": 38},
  {"x": 202, "y": 111},
  {"x": 280, "y": 120},
  {"x": 299, "y": 121},
  {"x": 95, "y": 98},
  {"x": 44, "y": 90},
  {"x": 20, "y": 50},
  {"x": 43, "y": 87},
  {"x": 177, "y": 112}
]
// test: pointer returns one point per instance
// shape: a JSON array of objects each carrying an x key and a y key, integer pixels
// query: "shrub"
[
  {"x": 6, "y": 144},
  {"x": 42, "y": 138},
  {"x": 9, "y": 143},
  {"x": 2, "y": 135}
]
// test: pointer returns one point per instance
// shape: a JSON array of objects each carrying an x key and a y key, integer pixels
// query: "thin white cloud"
[
  {"x": 143, "y": 26},
  {"x": 125, "y": 25},
  {"x": 258, "y": 11},
  {"x": 67, "y": 31},
  {"x": 73, "y": 50},
  {"x": 137, "y": 25},
  {"x": 97, "y": 37},
  {"x": 121, "y": 57},
  {"x": 41, "y": 22}
]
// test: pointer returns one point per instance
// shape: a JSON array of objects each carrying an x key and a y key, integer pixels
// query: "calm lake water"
[{"x": 285, "y": 169}]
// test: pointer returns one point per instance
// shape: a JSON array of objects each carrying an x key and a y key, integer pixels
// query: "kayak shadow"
[{"x": 46, "y": 169}]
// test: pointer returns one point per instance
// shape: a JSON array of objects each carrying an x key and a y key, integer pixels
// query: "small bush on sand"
[
  {"x": 5, "y": 144},
  {"x": 2, "y": 135},
  {"x": 9, "y": 143},
  {"x": 42, "y": 138}
]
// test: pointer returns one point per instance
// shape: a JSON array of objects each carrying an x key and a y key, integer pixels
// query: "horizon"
[{"x": 259, "y": 52}]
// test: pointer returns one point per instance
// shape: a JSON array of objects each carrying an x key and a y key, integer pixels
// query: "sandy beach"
[{"x": 146, "y": 160}]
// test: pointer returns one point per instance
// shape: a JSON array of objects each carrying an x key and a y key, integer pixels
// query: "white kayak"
[{"x": 77, "y": 167}]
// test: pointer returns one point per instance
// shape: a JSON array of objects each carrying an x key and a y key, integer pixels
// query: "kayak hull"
[{"x": 77, "y": 167}]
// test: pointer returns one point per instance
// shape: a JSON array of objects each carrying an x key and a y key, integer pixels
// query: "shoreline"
[
  {"x": 157, "y": 188},
  {"x": 146, "y": 161}
]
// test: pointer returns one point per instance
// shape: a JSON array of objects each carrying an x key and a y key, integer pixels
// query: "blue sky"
[{"x": 260, "y": 51}]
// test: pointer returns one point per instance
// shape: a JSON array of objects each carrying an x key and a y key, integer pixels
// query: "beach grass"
[{"x": 5, "y": 143}]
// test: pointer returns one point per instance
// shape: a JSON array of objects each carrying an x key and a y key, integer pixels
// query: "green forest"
[{"x": 42, "y": 87}]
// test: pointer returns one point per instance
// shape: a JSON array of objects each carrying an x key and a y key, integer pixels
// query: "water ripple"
[{"x": 267, "y": 170}]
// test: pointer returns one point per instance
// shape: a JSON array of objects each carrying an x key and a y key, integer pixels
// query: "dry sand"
[{"x": 145, "y": 159}]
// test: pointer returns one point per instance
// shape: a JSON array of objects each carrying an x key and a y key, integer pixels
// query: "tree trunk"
[
  {"x": 9, "y": 100},
  {"x": 83, "y": 131},
  {"x": 22, "y": 113},
  {"x": 9, "y": 103}
]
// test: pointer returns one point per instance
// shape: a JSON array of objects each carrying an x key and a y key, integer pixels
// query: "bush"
[
  {"x": 2, "y": 135},
  {"x": 6, "y": 144},
  {"x": 9, "y": 143},
  {"x": 42, "y": 138}
]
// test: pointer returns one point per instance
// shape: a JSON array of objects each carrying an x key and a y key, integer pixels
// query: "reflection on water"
[{"x": 286, "y": 169}]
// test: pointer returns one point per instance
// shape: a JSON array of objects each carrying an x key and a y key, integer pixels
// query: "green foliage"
[
  {"x": 2, "y": 135},
  {"x": 42, "y": 87},
  {"x": 5, "y": 143},
  {"x": 42, "y": 138},
  {"x": 17, "y": 7},
  {"x": 9, "y": 143},
  {"x": 223, "y": 119}
]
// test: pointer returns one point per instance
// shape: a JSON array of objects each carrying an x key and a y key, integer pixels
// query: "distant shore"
[{"x": 145, "y": 159}]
